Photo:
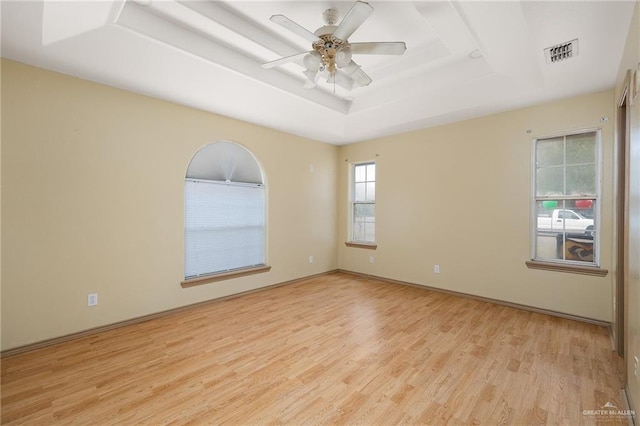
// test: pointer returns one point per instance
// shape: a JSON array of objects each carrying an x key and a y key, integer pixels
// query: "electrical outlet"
[
  {"x": 310, "y": 259},
  {"x": 436, "y": 269},
  {"x": 92, "y": 299},
  {"x": 311, "y": 168},
  {"x": 372, "y": 259}
]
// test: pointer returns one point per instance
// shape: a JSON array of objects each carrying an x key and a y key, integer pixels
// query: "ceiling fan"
[{"x": 330, "y": 57}]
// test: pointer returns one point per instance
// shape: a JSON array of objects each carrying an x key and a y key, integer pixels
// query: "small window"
[
  {"x": 224, "y": 211},
  {"x": 566, "y": 201},
  {"x": 363, "y": 205}
]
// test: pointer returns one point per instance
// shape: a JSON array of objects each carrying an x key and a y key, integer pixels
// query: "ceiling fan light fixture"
[
  {"x": 330, "y": 16},
  {"x": 343, "y": 57},
  {"x": 312, "y": 61},
  {"x": 312, "y": 79}
]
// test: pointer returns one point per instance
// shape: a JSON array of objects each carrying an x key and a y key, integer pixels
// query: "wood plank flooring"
[{"x": 337, "y": 349}]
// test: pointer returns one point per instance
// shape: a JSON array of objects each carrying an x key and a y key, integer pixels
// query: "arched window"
[{"x": 224, "y": 211}]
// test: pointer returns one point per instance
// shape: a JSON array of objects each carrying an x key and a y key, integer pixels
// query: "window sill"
[
  {"x": 192, "y": 282},
  {"x": 571, "y": 269},
  {"x": 369, "y": 246}
]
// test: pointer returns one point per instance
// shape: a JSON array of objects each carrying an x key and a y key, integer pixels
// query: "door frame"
[{"x": 621, "y": 218}]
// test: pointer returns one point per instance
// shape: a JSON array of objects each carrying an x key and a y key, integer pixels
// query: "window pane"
[
  {"x": 565, "y": 246},
  {"x": 581, "y": 149},
  {"x": 549, "y": 181},
  {"x": 371, "y": 172},
  {"x": 581, "y": 180},
  {"x": 549, "y": 229},
  {"x": 364, "y": 212},
  {"x": 586, "y": 208},
  {"x": 358, "y": 231},
  {"x": 364, "y": 222},
  {"x": 371, "y": 191},
  {"x": 549, "y": 216},
  {"x": 579, "y": 247},
  {"x": 364, "y": 231},
  {"x": 369, "y": 232},
  {"x": 360, "y": 194},
  {"x": 563, "y": 233},
  {"x": 548, "y": 246},
  {"x": 550, "y": 152},
  {"x": 360, "y": 173}
]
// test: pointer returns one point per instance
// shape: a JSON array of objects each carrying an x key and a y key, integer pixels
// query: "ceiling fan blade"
[
  {"x": 295, "y": 28},
  {"x": 284, "y": 60},
  {"x": 379, "y": 48},
  {"x": 350, "y": 68},
  {"x": 355, "y": 72},
  {"x": 361, "y": 78},
  {"x": 355, "y": 17}
]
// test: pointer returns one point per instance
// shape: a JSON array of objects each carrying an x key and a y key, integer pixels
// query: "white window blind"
[{"x": 224, "y": 226}]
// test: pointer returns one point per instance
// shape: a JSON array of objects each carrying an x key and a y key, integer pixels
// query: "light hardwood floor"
[{"x": 338, "y": 349}]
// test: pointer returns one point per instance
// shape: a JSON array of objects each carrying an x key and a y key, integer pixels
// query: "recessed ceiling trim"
[
  {"x": 511, "y": 55},
  {"x": 143, "y": 21},
  {"x": 59, "y": 19},
  {"x": 220, "y": 13},
  {"x": 445, "y": 20},
  {"x": 448, "y": 76}
]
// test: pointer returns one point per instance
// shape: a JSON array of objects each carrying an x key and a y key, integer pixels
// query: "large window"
[
  {"x": 224, "y": 211},
  {"x": 363, "y": 205},
  {"x": 566, "y": 200}
]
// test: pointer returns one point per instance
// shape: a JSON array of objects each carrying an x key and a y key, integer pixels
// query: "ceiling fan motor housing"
[
  {"x": 327, "y": 30},
  {"x": 334, "y": 52}
]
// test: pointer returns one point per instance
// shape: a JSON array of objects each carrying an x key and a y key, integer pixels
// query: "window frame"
[
  {"x": 564, "y": 265},
  {"x": 256, "y": 179},
  {"x": 351, "y": 241}
]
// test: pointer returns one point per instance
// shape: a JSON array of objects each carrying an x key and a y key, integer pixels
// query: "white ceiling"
[{"x": 463, "y": 59}]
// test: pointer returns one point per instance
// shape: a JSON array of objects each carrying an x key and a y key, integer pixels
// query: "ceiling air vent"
[{"x": 562, "y": 51}]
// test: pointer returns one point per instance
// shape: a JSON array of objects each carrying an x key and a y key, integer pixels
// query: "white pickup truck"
[{"x": 563, "y": 220}]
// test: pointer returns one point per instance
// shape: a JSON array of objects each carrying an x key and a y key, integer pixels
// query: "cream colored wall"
[
  {"x": 0, "y": 202},
  {"x": 631, "y": 61},
  {"x": 92, "y": 201},
  {"x": 458, "y": 196}
]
